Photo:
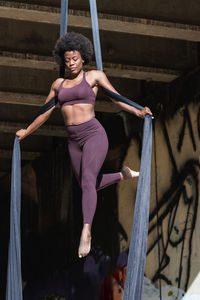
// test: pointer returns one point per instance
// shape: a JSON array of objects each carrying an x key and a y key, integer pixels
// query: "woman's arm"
[
  {"x": 22, "y": 133},
  {"x": 102, "y": 80}
]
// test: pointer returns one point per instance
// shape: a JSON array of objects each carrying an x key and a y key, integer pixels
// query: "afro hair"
[{"x": 73, "y": 41}]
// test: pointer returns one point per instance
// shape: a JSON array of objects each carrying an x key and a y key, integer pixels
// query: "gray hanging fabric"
[
  {"x": 63, "y": 17},
  {"x": 138, "y": 243},
  {"x": 14, "y": 279},
  {"x": 95, "y": 33}
]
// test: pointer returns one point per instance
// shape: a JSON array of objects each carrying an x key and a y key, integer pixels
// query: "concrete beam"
[
  {"x": 121, "y": 24},
  {"x": 140, "y": 72},
  {"x": 111, "y": 69},
  {"x": 25, "y": 155},
  {"x": 2, "y": 174},
  {"x": 46, "y": 130},
  {"x": 21, "y": 99},
  {"x": 38, "y": 101},
  {"x": 5, "y": 166}
]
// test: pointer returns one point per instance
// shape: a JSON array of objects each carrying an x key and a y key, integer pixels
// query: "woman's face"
[{"x": 73, "y": 61}]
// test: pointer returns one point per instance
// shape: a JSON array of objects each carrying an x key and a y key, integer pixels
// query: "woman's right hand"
[{"x": 21, "y": 134}]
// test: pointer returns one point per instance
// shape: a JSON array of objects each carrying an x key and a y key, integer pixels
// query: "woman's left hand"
[
  {"x": 145, "y": 111},
  {"x": 21, "y": 134}
]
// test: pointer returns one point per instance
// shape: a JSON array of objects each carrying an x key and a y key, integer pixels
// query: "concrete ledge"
[
  {"x": 108, "y": 22},
  {"x": 46, "y": 130},
  {"x": 111, "y": 69},
  {"x": 38, "y": 101},
  {"x": 25, "y": 155}
]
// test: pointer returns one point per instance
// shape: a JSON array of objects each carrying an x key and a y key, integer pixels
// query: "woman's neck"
[{"x": 75, "y": 76}]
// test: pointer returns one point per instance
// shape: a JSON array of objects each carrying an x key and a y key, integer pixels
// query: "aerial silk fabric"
[
  {"x": 45, "y": 108},
  {"x": 14, "y": 281},
  {"x": 95, "y": 34},
  {"x": 63, "y": 17},
  {"x": 14, "y": 278},
  {"x": 138, "y": 243}
]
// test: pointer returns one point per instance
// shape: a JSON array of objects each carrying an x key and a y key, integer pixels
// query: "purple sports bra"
[{"x": 80, "y": 93}]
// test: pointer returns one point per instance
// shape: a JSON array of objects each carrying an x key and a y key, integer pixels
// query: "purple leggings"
[{"x": 88, "y": 146}]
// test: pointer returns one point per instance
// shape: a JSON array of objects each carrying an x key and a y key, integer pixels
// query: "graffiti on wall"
[{"x": 175, "y": 215}]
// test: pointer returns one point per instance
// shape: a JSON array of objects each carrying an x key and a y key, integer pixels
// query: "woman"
[{"x": 87, "y": 140}]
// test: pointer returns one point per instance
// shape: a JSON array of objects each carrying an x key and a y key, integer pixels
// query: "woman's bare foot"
[
  {"x": 127, "y": 173},
  {"x": 85, "y": 241}
]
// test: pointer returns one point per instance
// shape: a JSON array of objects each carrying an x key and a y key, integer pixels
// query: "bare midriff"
[{"x": 77, "y": 113}]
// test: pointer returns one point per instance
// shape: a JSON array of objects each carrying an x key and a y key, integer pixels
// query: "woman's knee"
[{"x": 88, "y": 182}]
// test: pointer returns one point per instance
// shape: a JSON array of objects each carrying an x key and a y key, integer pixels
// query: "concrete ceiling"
[{"x": 142, "y": 41}]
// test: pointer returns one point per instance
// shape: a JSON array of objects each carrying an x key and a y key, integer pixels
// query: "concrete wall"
[{"x": 176, "y": 171}]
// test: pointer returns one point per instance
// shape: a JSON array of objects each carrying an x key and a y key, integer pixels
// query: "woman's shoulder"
[
  {"x": 59, "y": 80},
  {"x": 94, "y": 73},
  {"x": 57, "y": 83}
]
